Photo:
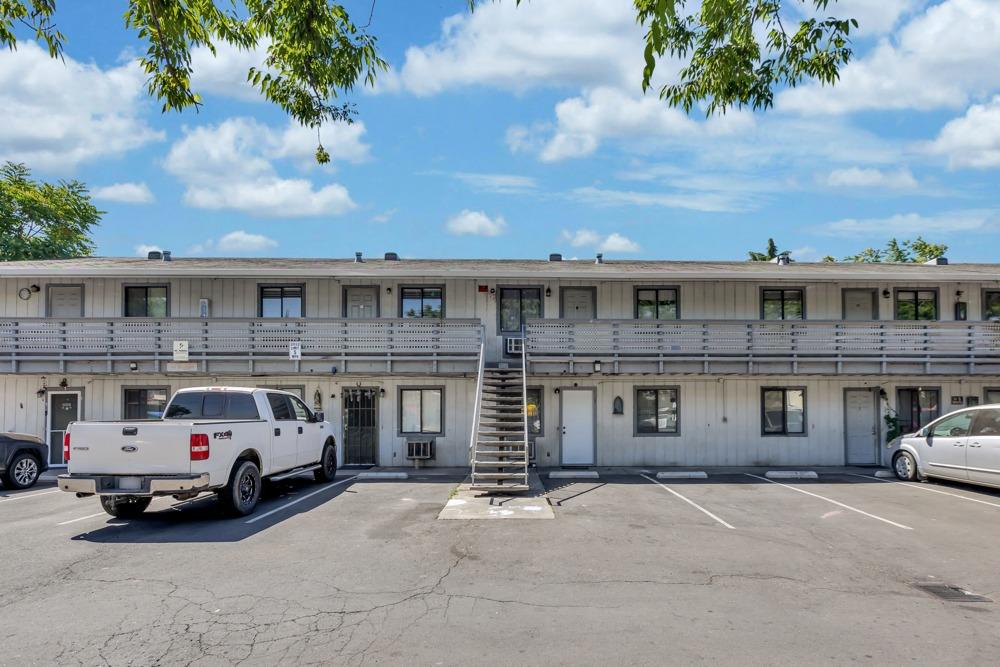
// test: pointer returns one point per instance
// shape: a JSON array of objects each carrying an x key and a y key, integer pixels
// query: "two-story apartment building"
[{"x": 652, "y": 363}]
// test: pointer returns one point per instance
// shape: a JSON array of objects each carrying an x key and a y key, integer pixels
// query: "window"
[
  {"x": 145, "y": 402},
  {"x": 955, "y": 426},
  {"x": 422, "y": 302},
  {"x": 280, "y": 407},
  {"x": 281, "y": 301},
  {"x": 987, "y": 423},
  {"x": 991, "y": 305},
  {"x": 783, "y": 304},
  {"x": 534, "y": 401},
  {"x": 421, "y": 410},
  {"x": 517, "y": 305},
  {"x": 991, "y": 396},
  {"x": 783, "y": 411},
  {"x": 916, "y": 305},
  {"x": 656, "y": 303},
  {"x": 917, "y": 407},
  {"x": 146, "y": 301},
  {"x": 657, "y": 411},
  {"x": 212, "y": 405},
  {"x": 302, "y": 413}
]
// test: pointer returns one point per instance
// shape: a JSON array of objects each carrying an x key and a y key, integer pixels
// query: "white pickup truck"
[{"x": 222, "y": 439}]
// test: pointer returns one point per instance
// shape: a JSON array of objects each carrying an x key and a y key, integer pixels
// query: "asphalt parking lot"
[{"x": 732, "y": 569}]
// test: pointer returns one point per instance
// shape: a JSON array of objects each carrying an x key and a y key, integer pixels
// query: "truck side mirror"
[{"x": 319, "y": 417}]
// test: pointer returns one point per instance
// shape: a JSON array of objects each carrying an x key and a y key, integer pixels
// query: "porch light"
[
  {"x": 132, "y": 366},
  {"x": 548, "y": 291},
  {"x": 618, "y": 406},
  {"x": 381, "y": 392},
  {"x": 886, "y": 294}
]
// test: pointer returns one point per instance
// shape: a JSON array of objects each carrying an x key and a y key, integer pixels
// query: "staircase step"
[
  {"x": 497, "y": 434},
  {"x": 498, "y": 488},
  {"x": 497, "y": 475},
  {"x": 500, "y": 464}
]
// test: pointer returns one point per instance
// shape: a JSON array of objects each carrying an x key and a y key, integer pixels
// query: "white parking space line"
[
  {"x": 924, "y": 488},
  {"x": 82, "y": 518},
  {"x": 298, "y": 500},
  {"x": 22, "y": 496},
  {"x": 832, "y": 501},
  {"x": 689, "y": 502}
]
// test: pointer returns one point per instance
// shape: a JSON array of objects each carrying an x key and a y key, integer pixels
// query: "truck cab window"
[
  {"x": 302, "y": 413},
  {"x": 280, "y": 407},
  {"x": 242, "y": 406}
]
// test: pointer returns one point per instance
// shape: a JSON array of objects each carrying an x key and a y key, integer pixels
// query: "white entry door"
[
  {"x": 361, "y": 303},
  {"x": 861, "y": 424},
  {"x": 859, "y": 305},
  {"x": 577, "y": 427},
  {"x": 65, "y": 300},
  {"x": 578, "y": 303}
]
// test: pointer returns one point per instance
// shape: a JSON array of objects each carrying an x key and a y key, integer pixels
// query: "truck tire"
[
  {"x": 22, "y": 472},
  {"x": 327, "y": 465},
  {"x": 125, "y": 507},
  {"x": 240, "y": 496}
]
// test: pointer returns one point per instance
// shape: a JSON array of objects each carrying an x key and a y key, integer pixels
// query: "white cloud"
[
  {"x": 475, "y": 223},
  {"x": 55, "y": 115},
  {"x": 144, "y": 249},
  {"x": 497, "y": 183},
  {"x": 125, "y": 193},
  {"x": 874, "y": 17},
  {"x": 384, "y": 216},
  {"x": 614, "y": 242},
  {"x": 972, "y": 140},
  {"x": 555, "y": 42},
  {"x": 231, "y": 166},
  {"x": 910, "y": 223},
  {"x": 805, "y": 254},
  {"x": 856, "y": 177},
  {"x": 237, "y": 242},
  {"x": 694, "y": 201},
  {"x": 941, "y": 58}
]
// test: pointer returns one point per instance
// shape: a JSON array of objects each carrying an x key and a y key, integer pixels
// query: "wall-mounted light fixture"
[
  {"x": 548, "y": 291},
  {"x": 618, "y": 406},
  {"x": 886, "y": 294},
  {"x": 958, "y": 294},
  {"x": 381, "y": 392},
  {"x": 388, "y": 290},
  {"x": 64, "y": 383},
  {"x": 597, "y": 367},
  {"x": 132, "y": 366},
  {"x": 557, "y": 390}
]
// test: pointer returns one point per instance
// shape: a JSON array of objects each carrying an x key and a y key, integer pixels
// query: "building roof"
[{"x": 660, "y": 270}]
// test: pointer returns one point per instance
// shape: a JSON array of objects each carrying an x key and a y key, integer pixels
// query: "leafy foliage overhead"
[
  {"x": 767, "y": 255},
  {"x": 44, "y": 220},
  {"x": 909, "y": 251},
  {"x": 734, "y": 53}
]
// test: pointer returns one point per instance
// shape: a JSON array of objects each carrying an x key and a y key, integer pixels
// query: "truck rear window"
[{"x": 212, "y": 405}]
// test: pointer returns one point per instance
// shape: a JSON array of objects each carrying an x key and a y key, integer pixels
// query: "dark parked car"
[{"x": 22, "y": 459}]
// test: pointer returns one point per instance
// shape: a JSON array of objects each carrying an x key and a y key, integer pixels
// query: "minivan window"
[
  {"x": 212, "y": 405},
  {"x": 987, "y": 423},
  {"x": 956, "y": 426}
]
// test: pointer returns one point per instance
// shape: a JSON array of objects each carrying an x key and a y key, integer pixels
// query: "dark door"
[
  {"x": 360, "y": 426},
  {"x": 64, "y": 407}
]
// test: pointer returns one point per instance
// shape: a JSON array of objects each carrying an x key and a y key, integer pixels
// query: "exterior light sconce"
[
  {"x": 557, "y": 390},
  {"x": 388, "y": 290},
  {"x": 132, "y": 366},
  {"x": 882, "y": 395},
  {"x": 958, "y": 294},
  {"x": 548, "y": 291},
  {"x": 64, "y": 383},
  {"x": 886, "y": 294},
  {"x": 618, "y": 406},
  {"x": 597, "y": 367},
  {"x": 381, "y": 392}
]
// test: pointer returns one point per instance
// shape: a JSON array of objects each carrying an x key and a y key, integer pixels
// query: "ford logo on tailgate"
[{"x": 130, "y": 448}]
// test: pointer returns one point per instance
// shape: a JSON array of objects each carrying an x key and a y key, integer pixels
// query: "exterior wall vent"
[
  {"x": 391, "y": 257},
  {"x": 600, "y": 258},
  {"x": 357, "y": 258},
  {"x": 555, "y": 257},
  {"x": 154, "y": 254},
  {"x": 166, "y": 256},
  {"x": 937, "y": 261}
]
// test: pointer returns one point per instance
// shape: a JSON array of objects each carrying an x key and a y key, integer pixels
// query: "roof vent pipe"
[
  {"x": 154, "y": 254},
  {"x": 600, "y": 258},
  {"x": 391, "y": 257},
  {"x": 166, "y": 256},
  {"x": 357, "y": 258},
  {"x": 555, "y": 257},
  {"x": 783, "y": 259}
]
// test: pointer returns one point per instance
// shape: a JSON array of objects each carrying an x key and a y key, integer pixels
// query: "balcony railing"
[
  {"x": 825, "y": 346},
  {"x": 250, "y": 341}
]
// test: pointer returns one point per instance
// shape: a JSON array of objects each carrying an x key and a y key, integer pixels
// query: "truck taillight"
[
  {"x": 199, "y": 446},
  {"x": 66, "y": 447}
]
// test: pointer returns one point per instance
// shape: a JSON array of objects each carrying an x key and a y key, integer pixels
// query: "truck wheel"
[
  {"x": 243, "y": 491},
  {"x": 22, "y": 472},
  {"x": 327, "y": 465},
  {"x": 125, "y": 507}
]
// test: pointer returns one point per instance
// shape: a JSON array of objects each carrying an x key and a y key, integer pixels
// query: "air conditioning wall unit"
[{"x": 420, "y": 450}]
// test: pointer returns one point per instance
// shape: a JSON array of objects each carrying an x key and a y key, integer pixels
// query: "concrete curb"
[
  {"x": 681, "y": 474},
  {"x": 884, "y": 474},
  {"x": 791, "y": 474},
  {"x": 382, "y": 475},
  {"x": 574, "y": 474}
]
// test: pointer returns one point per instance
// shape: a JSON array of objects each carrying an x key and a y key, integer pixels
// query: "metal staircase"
[{"x": 500, "y": 430}]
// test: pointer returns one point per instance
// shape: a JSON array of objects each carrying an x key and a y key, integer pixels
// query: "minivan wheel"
[
  {"x": 243, "y": 491},
  {"x": 327, "y": 465},
  {"x": 905, "y": 467},
  {"x": 125, "y": 507},
  {"x": 22, "y": 472}
]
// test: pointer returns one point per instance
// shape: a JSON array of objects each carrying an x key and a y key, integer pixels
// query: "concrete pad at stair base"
[
  {"x": 574, "y": 474},
  {"x": 382, "y": 475},
  {"x": 682, "y": 474},
  {"x": 883, "y": 474},
  {"x": 465, "y": 503},
  {"x": 791, "y": 474}
]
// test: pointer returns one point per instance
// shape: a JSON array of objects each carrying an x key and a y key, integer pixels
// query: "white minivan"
[{"x": 963, "y": 446}]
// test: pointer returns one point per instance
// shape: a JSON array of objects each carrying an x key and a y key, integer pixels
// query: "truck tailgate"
[{"x": 130, "y": 448}]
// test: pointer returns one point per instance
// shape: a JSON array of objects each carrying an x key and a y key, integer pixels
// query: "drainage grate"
[{"x": 951, "y": 593}]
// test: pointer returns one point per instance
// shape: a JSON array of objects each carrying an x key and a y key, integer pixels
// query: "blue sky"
[{"x": 515, "y": 132}]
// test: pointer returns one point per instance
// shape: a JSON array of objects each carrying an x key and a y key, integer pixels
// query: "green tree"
[
  {"x": 736, "y": 52},
  {"x": 767, "y": 255},
  {"x": 44, "y": 220},
  {"x": 908, "y": 251}
]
